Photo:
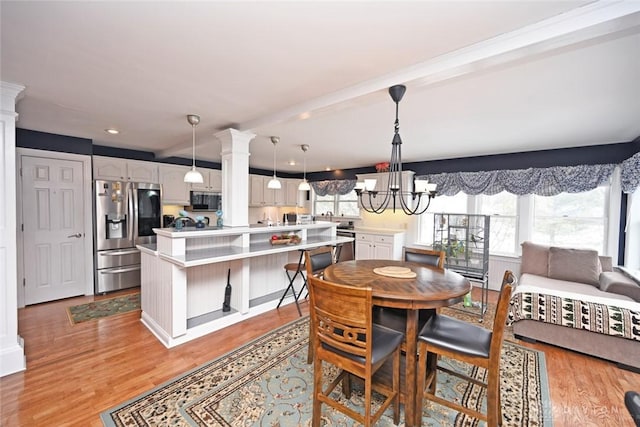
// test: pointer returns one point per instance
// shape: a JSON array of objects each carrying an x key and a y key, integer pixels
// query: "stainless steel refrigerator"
[{"x": 125, "y": 215}]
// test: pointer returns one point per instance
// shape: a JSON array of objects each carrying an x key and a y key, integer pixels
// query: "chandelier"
[{"x": 394, "y": 196}]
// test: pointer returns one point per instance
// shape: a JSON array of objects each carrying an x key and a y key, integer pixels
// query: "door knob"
[{"x": 77, "y": 235}]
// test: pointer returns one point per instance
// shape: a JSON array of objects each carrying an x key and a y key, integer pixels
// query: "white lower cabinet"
[{"x": 379, "y": 245}]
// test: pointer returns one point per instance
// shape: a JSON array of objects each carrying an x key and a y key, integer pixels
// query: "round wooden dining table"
[{"x": 430, "y": 289}]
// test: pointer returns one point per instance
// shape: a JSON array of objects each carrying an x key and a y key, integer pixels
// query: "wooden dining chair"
[
  {"x": 345, "y": 336},
  {"x": 424, "y": 256},
  {"x": 315, "y": 262},
  {"x": 456, "y": 339},
  {"x": 632, "y": 402}
]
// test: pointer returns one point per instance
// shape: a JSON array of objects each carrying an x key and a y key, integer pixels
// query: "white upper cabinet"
[
  {"x": 174, "y": 190},
  {"x": 260, "y": 195},
  {"x": 212, "y": 181},
  {"x": 293, "y": 194},
  {"x": 115, "y": 169}
]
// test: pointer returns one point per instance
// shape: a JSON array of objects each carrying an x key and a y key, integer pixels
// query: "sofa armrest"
[
  {"x": 606, "y": 262},
  {"x": 618, "y": 283}
]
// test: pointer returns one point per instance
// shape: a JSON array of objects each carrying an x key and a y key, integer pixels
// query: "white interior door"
[{"x": 54, "y": 238}]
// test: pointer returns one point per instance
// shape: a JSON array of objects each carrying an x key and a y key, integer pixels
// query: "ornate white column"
[
  {"x": 235, "y": 176},
  {"x": 12, "y": 357}
]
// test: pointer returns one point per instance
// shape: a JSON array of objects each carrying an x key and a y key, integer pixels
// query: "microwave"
[{"x": 205, "y": 201}]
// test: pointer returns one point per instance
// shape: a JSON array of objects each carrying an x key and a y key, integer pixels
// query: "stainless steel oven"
[
  {"x": 347, "y": 250},
  {"x": 125, "y": 215}
]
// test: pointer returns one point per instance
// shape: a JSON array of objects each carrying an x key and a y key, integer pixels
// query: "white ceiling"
[{"x": 483, "y": 77}]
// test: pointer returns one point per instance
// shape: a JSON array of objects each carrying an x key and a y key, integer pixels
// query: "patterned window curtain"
[
  {"x": 540, "y": 181},
  {"x": 630, "y": 173},
  {"x": 333, "y": 187}
]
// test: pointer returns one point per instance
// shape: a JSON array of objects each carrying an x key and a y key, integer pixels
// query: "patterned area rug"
[
  {"x": 103, "y": 308},
  {"x": 268, "y": 383}
]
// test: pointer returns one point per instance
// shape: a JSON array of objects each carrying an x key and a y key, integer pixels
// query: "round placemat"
[{"x": 397, "y": 272}]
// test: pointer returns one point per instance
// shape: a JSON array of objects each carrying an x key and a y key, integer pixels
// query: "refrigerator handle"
[
  {"x": 136, "y": 230},
  {"x": 132, "y": 211}
]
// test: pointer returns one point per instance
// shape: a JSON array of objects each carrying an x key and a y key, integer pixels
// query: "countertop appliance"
[
  {"x": 125, "y": 215},
  {"x": 167, "y": 220}
]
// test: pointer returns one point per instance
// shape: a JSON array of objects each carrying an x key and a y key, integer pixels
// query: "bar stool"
[{"x": 295, "y": 268}]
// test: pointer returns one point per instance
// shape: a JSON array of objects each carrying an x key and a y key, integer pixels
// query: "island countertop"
[{"x": 231, "y": 231}]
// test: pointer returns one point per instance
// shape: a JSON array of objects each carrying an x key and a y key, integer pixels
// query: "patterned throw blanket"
[{"x": 594, "y": 317}]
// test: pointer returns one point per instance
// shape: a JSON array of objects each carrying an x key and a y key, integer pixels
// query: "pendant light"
[
  {"x": 193, "y": 176},
  {"x": 274, "y": 183},
  {"x": 304, "y": 185}
]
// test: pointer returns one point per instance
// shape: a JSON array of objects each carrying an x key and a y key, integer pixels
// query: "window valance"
[
  {"x": 541, "y": 181},
  {"x": 333, "y": 187},
  {"x": 630, "y": 173}
]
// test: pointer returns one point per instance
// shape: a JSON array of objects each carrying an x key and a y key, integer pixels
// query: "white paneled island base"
[{"x": 184, "y": 276}]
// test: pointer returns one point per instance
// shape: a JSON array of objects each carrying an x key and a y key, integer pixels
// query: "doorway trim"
[{"x": 87, "y": 219}]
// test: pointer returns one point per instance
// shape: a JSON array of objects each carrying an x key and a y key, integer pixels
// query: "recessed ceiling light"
[
  {"x": 292, "y": 162},
  {"x": 327, "y": 168},
  {"x": 112, "y": 131}
]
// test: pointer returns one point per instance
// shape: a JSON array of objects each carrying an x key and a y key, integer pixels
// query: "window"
[
  {"x": 503, "y": 209},
  {"x": 440, "y": 204},
  {"x": 339, "y": 205},
  {"x": 577, "y": 220}
]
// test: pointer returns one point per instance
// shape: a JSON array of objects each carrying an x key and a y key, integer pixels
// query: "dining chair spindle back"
[{"x": 345, "y": 336}]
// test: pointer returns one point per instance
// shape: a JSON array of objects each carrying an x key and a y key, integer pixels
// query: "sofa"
[{"x": 577, "y": 300}]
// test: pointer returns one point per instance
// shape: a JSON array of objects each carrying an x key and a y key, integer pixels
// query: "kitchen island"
[{"x": 184, "y": 276}]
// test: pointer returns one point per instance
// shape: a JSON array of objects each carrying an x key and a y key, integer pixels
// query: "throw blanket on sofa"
[{"x": 594, "y": 317}]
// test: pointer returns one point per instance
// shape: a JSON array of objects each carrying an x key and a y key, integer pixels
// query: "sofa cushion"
[
  {"x": 574, "y": 265},
  {"x": 618, "y": 283},
  {"x": 535, "y": 259}
]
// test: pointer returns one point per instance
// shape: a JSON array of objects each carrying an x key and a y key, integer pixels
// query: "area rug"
[
  {"x": 103, "y": 308},
  {"x": 268, "y": 383}
]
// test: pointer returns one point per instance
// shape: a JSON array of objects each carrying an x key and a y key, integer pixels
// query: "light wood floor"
[{"x": 75, "y": 372}]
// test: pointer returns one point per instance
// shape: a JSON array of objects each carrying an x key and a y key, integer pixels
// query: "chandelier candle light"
[
  {"x": 395, "y": 196},
  {"x": 193, "y": 176},
  {"x": 274, "y": 183},
  {"x": 304, "y": 185}
]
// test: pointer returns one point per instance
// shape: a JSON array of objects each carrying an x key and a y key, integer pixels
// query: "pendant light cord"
[
  {"x": 274, "y": 161},
  {"x": 193, "y": 139}
]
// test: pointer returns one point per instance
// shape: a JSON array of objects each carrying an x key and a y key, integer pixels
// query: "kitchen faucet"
[{"x": 330, "y": 215}]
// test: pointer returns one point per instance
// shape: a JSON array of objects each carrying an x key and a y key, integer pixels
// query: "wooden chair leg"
[
  {"x": 396, "y": 387},
  {"x": 432, "y": 367},
  {"x": 317, "y": 389},
  {"x": 310, "y": 350},
  {"x": 367, "y": 402},
  {"x": 493, "y": 405},
  {"x": 421, "y": 375},
  {"x": 346, "y": 386}
]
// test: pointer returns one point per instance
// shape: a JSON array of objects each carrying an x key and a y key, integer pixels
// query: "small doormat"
[{"x": 103, "y": 308}]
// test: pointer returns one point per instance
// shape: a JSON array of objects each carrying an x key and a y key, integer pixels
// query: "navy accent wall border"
[
  {"x": 589, "y": 155},
  {"x": 53, "y": 142}
]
